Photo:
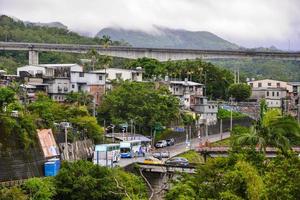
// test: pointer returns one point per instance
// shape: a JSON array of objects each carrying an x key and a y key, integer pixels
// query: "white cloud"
[{"x": 246, "y": 22}]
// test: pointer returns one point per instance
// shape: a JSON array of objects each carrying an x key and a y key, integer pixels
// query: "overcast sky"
[{"x": 250, "y": 23}]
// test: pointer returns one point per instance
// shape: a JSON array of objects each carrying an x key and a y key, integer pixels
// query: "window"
[
  {"x": 137, "y": 74},
  {"x": 273, "y": 94},
  {"x": 118, "y": 75},
  {"x": 100, "y": 78},
  {"x": 269, "y": 84},
  {"x": 268, "y": 93},
  {"x": 278, "y": 84},
  {"x": 259, "y": 84},
  {"x": 81, "y": 74},
  {"x": 278, "y": 94},
  {"x": 73, "y": 86}
]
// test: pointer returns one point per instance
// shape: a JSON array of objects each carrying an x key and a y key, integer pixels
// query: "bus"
[
  {"x": 132, "y": 148},
  {"x": 106, "y": 154}
]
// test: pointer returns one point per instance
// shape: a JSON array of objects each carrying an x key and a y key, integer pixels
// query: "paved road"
[{"x": 178, "y": 148}]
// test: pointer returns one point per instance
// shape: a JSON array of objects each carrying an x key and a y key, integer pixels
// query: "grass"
[
  {"x": 225, "y": 142},
  {"x": 193, "y": 157}
]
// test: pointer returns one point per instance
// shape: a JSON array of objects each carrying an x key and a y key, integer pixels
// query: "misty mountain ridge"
[
  {"x": 163, "y": 37},
  {"x": 41, "y": 24}
]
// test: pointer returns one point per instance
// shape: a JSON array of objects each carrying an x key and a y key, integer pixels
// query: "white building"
[
  {"x": 192, "y": 98},
  {"x": 184, "y": 90},
  {"x": 31, "y": 70},
  {"x": 273, "y": 91},
  {"x": 122, "y": 74},
  {"x": 61, "y": 79}
]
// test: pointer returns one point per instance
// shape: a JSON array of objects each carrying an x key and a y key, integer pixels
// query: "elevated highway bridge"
[{"x": 161, "y": 54}]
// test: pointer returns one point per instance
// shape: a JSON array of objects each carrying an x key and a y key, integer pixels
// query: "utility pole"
[
  {"x": 234, "y": 70},
  {"x": 113, "y": 137},
  {"x": 238, "y": 75},
  {"x": 221, "y": 128},
  {"x": 66, "y": 144},
  {"x": 231, "y": 105},
  {"x": 298, "y": 112},
  {"x": 190, "y": 137}
]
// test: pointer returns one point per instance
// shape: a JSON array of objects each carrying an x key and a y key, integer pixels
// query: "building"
[
  {"x": 207, "y": 111},
  {"x": 60, "y": 79},
  {"x": 184, "y": 90},
  {"x": 191, "y": 96},
  {"x": 122, "y": 74},
  {"x": 269, "y": 83},
  {"x": 274, "y": 92}
]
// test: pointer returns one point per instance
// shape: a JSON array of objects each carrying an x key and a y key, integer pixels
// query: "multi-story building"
[
  {"x": 60, "y": 79},
  {"x": 273, "y": 91},
  {"x": 191, "y": 96},
  {"x": 122, "y": 74}
]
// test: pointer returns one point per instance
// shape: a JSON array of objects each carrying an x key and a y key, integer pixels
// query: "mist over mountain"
[
  {"x": 50, "y": 24},
  {"x": 169, "y": 38}
]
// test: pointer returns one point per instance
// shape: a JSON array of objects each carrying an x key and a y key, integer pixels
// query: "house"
[
  {"x": 191, "y": 96},
  {"x": 207, "y": 111},
  {"x": 184, "y": 90},
  {"x": 273, "y": 91},
  {"x": 123, "y": 74},
  {"x": 269, "y": 83},
  {"x": 60, "y": 79}
]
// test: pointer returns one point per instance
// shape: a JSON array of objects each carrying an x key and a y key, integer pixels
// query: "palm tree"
[{"x": 271, "y": 130}]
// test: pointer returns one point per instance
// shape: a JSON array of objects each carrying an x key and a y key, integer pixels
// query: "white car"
[{"x": 161, "y": 144}]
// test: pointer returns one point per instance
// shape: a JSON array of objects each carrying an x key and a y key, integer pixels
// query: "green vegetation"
[
  {"x": 193, "y": 157},
  {"x": 221, "y": 143},
  {"x": 225, "y": 114},
  {"x": 217, "y": 80},
  {"x": 259, "y": 69},
  {"x": 246, "y": 173},
  {"x": 271, "y": 129},
  {"x": 43, "y": 113},
  {"x": 80, "y": 180},
  {"x": 240, "y": 92},
  {"x": 17, "y": 31},
  {"x": 169, "y": 38},
  {"x": 140, "y": 102}
]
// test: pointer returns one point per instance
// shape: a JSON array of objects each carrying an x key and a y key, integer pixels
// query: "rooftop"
[{"x": 185, "y": 83}]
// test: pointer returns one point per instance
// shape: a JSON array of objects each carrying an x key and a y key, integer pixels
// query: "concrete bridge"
[{"x": 161, "y": 54}]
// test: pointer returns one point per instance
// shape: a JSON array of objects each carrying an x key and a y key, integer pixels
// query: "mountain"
[
  {"x": 50, "y": 24},
  {"x": 40, "y": 24},
  {"x": 169, "y": 38}
]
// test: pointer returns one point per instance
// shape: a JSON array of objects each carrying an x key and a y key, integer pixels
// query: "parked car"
[
  {"x": 161, "y": 155},
  {"x": 152, "y": 161},
  {"x": 170, "y": 142},
  {"x": 177, "y": 161},
  {"x": 161, "y": 144}
]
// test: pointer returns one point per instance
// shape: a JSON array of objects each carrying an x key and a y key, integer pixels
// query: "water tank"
[{"x": 50, "y": 169}]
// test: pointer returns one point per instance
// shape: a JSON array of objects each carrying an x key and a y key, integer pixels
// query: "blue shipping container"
[{"x": 50, "y": 169}]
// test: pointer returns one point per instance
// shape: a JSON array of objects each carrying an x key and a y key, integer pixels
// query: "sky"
[{"x": 249, "y": 23}]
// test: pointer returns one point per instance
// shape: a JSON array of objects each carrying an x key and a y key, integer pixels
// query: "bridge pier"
[{"x": 33, "y": 57}]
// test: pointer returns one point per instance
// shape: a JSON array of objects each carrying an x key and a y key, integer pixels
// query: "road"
[{"x": 174, "y": 150}]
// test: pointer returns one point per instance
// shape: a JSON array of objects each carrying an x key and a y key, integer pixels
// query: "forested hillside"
[
  {"x": 259, "y": 69},
  {"x": 17, "y": 31},
  {"x": 169, "y": 38}
]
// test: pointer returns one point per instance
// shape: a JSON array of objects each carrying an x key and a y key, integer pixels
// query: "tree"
[
  {"x": 271, "y": 129},
  {"x": 282, "y": 178},
  {"x": 7, "y": 96},
  {"x": 13, "y": 193},
  {"x": 240, "y": 91},
  {"x": 39, "y": 189},
  {"x": 83, "y": 180},
  {"x": 140, "y": 102},
  {"x": 89, "y": 126}
]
